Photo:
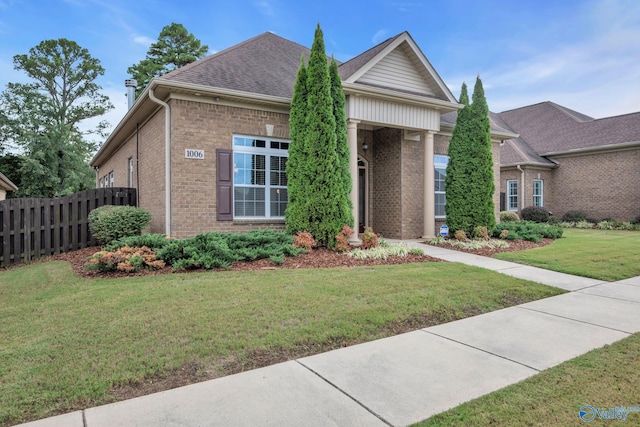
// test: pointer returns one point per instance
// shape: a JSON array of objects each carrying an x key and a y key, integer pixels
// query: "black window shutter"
[{"x": 224, "y": 184}]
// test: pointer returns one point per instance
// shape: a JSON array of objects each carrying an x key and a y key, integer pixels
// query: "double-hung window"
[
  {"x": 259, "y": 177},
  {"x": 538, "y": 191},
  {"x": 440, "y": 164},
  {"x": 512, "y": 194}
]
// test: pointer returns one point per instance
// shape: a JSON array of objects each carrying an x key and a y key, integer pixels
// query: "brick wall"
[
  {"x": 603, "y": 185},
  {"x": 149, "y": 171},
  {"x": 412, "y": 169},
  {"x": 203, "y": 126},
  {"x": 387, "y": 202}
]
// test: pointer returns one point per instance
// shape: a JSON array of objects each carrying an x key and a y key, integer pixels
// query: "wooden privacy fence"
[{"x": 32, "y": 228}]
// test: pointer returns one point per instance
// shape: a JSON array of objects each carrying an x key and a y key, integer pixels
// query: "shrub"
[
  {"x": 304, "y": 240},
  {"x": 527, "y": 230},
  {"x": 481, "y": 232},
  {"x": 153, "y": 241},
  {"x": 504, "y": 234},
  {"x": 535, "y": 214},
  {"x": 553, "y": 220},
  {"x": 220, "y": 250},
  {"x": 574, "y": 216},
  {"x": 584, "y": 224},
  {"x": 508, "y": 216},
  {"x": 460, "y": 235},
  {"x": 636, "y": 220},
  {"x": 342, "y": 239},
  {"x": 108, "y": 223},
  {"x": 369, "y": 239},
  {"x": 127, "y": 259}
]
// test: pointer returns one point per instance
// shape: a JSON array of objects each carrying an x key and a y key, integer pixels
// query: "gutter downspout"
[
  {"x": 167, "y": 161},
  {"x": 522, "y": 179}
]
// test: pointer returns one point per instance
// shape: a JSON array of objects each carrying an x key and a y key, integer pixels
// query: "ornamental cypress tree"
[
  {"x": 319, "y": 193},
  {"x": 482, "y": 179},
  {"x": 295, "y": 163},
  {"x": 456, "y": 183},
  {"x": 469, "y": 181},
  {"x": 342, "y": 144}
]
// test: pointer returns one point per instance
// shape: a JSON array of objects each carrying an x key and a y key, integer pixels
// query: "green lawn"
[
  {"x": 603, "y": 378},
  {"x": 66, "y": 341},
  {"x": 601, "y": 254}
]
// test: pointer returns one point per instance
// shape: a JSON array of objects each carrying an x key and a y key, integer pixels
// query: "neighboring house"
[
  {"x": 6, "y": 185},
  {"x": 206, "y": 145},
  {"x": 564, "y": 160}
]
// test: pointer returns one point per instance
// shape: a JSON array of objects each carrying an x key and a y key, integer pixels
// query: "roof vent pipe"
[{"x": 131, "y": 84}]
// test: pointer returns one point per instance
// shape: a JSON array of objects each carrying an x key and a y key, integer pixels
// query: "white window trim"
[
  {"x": 130, "y": 175},
  {"x": 511, "y": 194},
  {"x": 541, "y": 195},
  {"x": 267, "y": 152},
  {"x": 442, "y": 165}
]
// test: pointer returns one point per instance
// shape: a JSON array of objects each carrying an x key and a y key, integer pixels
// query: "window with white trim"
[
  {"x": 538, "y": 192},
  {"x": 130, "y": 172},
  {"x": 259, "y": 177},
  {"x": 440, "y": 164},
  {"x": 512, "y": 194},
  {"x": 111, "y": 179}
]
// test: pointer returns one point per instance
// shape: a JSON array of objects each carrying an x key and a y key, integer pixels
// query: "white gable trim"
[{"x": 404, "y": 38}]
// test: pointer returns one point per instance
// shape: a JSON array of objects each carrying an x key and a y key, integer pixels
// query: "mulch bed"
[{"x": 318, "y": 258}]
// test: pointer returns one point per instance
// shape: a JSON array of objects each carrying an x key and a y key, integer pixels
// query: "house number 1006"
[{"x": 193, "y": 154}]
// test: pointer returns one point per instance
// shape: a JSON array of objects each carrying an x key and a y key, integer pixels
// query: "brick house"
[
  {"x": 206, "y": 145},
  {"x": 564, "y": 160}
]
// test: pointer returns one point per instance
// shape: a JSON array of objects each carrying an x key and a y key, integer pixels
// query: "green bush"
[
  {"x": 636, "y": 220},
  {"x": 535, "y": 214},
  {"x": 153, "y": 241},
  {"x": 509, "y": 216},
  {"x": 574, "y": 216},
  {"x": 108, "y": 223},
  {"x": 527, "y": 230},
  {"x": 220, "y": 250}
]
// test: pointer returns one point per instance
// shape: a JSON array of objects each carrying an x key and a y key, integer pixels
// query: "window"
[
  {"x": 111, "y": 179},
  {"x": 259, "y": 177},
  {"x": 512, "y": 194},
  {"x": 130, "y": 170},
  {"x": 440, "y": 164},
  {"x": 101, "y": 183},
  {"x": 538, "y": 192}
]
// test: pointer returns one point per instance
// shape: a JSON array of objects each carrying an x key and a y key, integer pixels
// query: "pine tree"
[{"x": 320, "y": 199}]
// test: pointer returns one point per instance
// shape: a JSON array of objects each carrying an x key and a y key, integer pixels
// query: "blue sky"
[{"x": 584, "y": 55}]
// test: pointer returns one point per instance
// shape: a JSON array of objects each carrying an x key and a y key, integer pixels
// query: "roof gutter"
[
  {"x": 10, "y": 185},
  {"x": 167, "y": 160},
  {"x": 599, "y": 149}
]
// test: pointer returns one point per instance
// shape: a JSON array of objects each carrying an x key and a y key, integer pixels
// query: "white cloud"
[
  {"x": 379, "y": 36},
  {"x": 142, "y": 40},
  {"x": 265, "y": 7}
]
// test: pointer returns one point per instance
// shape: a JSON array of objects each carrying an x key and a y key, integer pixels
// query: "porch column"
[
  {"x": 428, "y": 212},
  {"x": 352, "y": 136}
]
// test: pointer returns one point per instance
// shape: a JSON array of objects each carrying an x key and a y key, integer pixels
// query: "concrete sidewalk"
[{"x": 402, "y": 379}]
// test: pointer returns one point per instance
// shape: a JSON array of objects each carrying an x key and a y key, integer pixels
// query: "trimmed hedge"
[
  {"x": 535, "y": 214},
  {"x": 528, "y": 230},
  {"x": 108, "y": 223}
]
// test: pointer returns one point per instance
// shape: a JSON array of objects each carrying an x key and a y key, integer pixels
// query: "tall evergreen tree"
[
  {"x": 483, "y": 158},
  {"x": 42, "y": 118},
  {"x": 469, "y": 181},
  {"x": 175, "y": 48},
  {"x": 316, "y": 165},
  {"x": 296, "y": 176},
  {"x": 456, "y": 183},
  {"x": 342, "y": 144}
]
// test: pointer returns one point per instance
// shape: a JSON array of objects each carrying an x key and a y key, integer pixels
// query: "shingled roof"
[
  {"x": 266, "y": 64},
  {"x": 551, "y": 128}
]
